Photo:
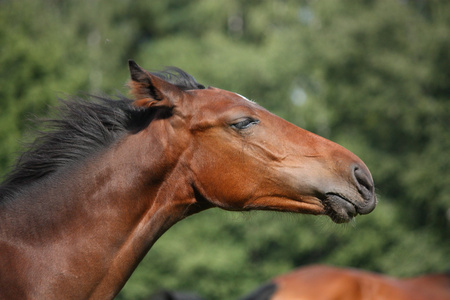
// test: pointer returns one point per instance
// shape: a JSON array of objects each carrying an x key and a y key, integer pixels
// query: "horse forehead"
[
  {"x": 222, "y": 99},
  {"x": 245, "y": 98}
]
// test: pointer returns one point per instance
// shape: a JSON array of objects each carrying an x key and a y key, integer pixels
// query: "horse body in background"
[
  {"x": 108, "y": 177},
  {"x": 319, "y": 282}
]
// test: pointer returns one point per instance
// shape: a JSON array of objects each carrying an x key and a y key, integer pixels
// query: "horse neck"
[{"x": 96, "y": 221}]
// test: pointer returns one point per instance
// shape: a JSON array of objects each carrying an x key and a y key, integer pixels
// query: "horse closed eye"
[{"x": 244, "y": 124}]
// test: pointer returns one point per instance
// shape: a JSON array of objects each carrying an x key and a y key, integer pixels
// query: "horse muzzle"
[{"x": 342, "y": 208}]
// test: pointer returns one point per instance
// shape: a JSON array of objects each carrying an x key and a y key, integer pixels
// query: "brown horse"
[
  {"x": 107, "y": 178},
  {"x": 329, "y": 283}
]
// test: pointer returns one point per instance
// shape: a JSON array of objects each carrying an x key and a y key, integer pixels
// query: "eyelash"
[{"x": 244, "y": 124}]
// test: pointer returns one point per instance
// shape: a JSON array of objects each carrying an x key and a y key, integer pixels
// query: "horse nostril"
[{"x": 363, "y": 182}]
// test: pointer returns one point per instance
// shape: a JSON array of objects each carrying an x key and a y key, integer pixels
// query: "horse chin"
[{"x": 339, "y": 209}]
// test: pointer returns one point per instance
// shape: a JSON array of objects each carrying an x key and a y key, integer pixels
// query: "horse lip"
[{"x": 339, "y": 208}]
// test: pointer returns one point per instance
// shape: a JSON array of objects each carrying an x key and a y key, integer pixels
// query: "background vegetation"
[{"x": 373, "y": 76}]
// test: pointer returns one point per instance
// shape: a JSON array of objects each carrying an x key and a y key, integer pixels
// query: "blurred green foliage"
[{"x": 370, "y": 75}]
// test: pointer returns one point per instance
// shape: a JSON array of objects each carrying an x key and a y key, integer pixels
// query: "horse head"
[{"x": 239, "y": 156}]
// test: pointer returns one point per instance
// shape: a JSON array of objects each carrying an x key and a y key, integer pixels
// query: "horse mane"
[
  {"x": 80, "y": 128},
  {"x": 264, "y": 292},
  {"x": 179, "y": 78}
]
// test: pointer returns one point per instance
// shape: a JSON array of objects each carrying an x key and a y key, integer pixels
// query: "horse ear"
[{"x": 150, "y": 90}]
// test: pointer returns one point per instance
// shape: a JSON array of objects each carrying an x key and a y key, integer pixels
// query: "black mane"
[
  {"x": 179, "y": 78},
  {"x": 81, "y": 128}
]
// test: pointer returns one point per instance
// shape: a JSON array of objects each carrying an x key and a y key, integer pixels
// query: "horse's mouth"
[{"x": 339, "y": 208}]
